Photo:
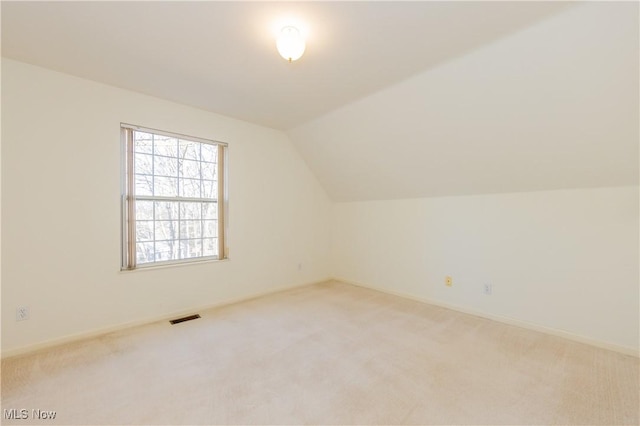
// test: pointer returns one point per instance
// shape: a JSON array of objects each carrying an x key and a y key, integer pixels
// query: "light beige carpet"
[{"x": 328, "y": 353}]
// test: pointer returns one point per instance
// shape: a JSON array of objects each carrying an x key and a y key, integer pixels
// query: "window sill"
[{"x": 173, "y": 264}]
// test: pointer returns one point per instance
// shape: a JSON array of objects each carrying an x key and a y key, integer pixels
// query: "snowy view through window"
[{"x": 176, "y": 192}]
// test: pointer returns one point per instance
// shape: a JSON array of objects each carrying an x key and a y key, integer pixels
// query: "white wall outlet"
[
  {"x": 22, "y": 313},
  {"x": 487, "y": 289}
]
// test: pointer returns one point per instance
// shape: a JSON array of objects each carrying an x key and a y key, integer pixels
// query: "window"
[{"x": 173, "y": 198}]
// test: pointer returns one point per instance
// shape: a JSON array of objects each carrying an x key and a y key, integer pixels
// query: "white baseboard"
[
  {"x": 506, "y": 320},
  {"x": 23, "y": 350}
]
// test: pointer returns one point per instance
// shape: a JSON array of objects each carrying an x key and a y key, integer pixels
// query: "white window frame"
[{"x": 128, "y": 197}]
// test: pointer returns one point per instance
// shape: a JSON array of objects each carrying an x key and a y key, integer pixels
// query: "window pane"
[
  {"x": 144, "y": 185},
  {"x": 166, "y": 230},
  {"x": 209, "y": 189},
  {"x": 189, "y": 150},
  {"x": 144, "y": 230},
  {"x": 210, "y": 228},
  {"x": 166, "y": 210},
  {"x": 144, "y": 252},
  {"x": 209, "y": 153},
  {"x": 144, "y": 210},
  {"x": 209, "y": 171},
  {"x": 166, "y": 146},
  {"x": 190, "y": 211},
  {"x": 143, "y": 164},
  {"x": 143, "y": 142},
  {"x": 209, "y": 210},
  {"x": 166, "y": 166},
  {"x": 210, "y": 247},
  {"x": 165, "y": 186},
  {"x": 190, "y": 229},
  {"x": 166, "y": 250},
  {"x": 190, "y": 248},
  {"x": 190, "y": 188},
  {"x": 190, "y": 169}
]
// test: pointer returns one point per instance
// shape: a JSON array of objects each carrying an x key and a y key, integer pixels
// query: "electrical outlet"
[
  {"x": 487, "y": 289},
  {"x": 22, "y": 313},
  {"x": 299, "y": 266},
  {"x": 448, "y": 281}
]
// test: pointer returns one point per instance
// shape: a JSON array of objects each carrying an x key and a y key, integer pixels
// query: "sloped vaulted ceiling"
[{"x": 552, "y": 106}]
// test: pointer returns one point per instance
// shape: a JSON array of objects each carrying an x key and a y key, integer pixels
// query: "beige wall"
[
  {"x": 565, "y": 260},
  {"x": 61, "y": 210}
]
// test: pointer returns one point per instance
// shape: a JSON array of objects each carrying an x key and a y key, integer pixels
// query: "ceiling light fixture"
[{"x": 290, "y": 43}]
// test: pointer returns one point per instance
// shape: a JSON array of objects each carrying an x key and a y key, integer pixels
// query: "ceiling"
[
  {"x": 221, "y": 56},
  {"x": 391, "y": 99}
]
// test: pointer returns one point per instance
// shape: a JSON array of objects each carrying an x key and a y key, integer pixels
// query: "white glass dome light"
[{"x": 290, "y": 43}]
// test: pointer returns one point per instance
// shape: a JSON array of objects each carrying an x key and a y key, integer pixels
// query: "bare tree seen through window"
[{"x": 176, "y": 210}]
